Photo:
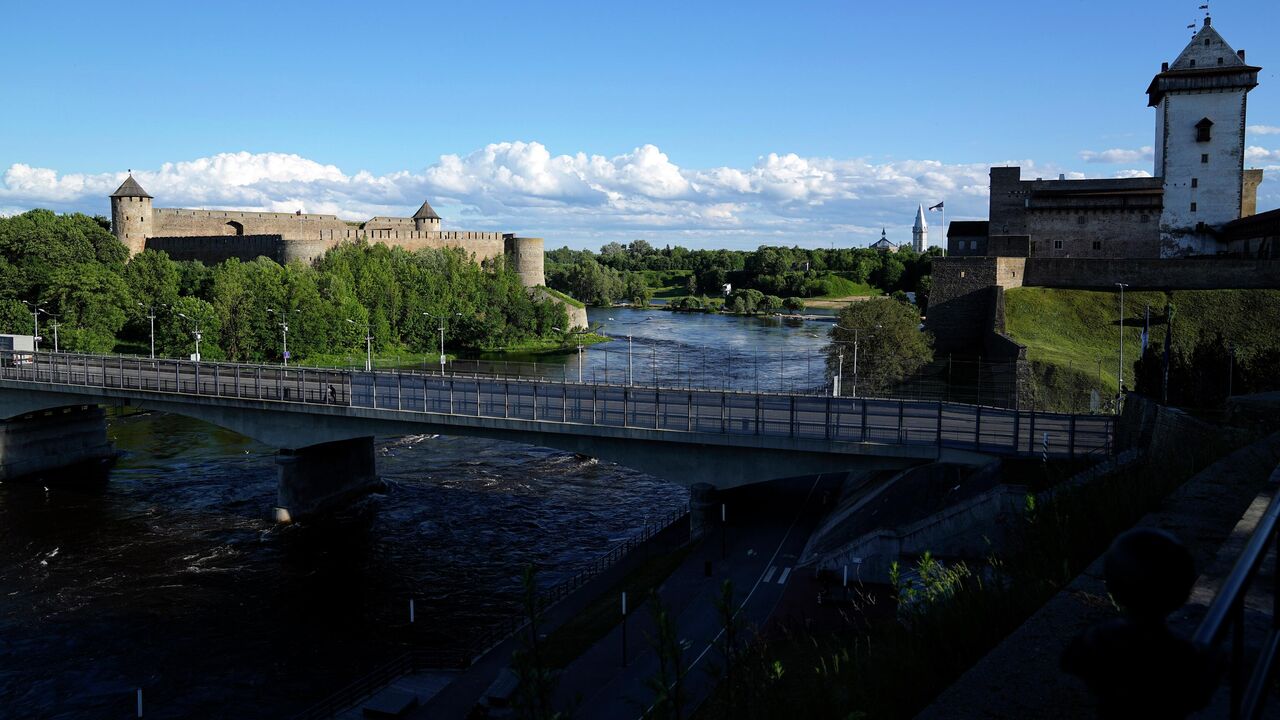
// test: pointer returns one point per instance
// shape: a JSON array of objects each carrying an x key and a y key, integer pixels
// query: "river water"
[{"x": 170, "y": 576}]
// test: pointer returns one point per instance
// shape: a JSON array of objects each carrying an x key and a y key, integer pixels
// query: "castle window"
[
  {"x": 1204, "y": 157},
  {"x": 1145, "y": 218},
  {"x": 1193, "y": 207},
  {"x": 1193, "y": 63},
  {"x": 1057, "y": 244},
  {"x": 1202, "y": 129},
  {"x": 1195, "y": 182},
  {"x": 1219, "y": 61},
  {"x": 1097, "y": 244},
  {"x": 1080, "y": 220}
]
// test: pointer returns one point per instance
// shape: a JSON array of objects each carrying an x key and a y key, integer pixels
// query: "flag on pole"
[
  {"x": 1146, "y": 329},
  {"x": 938, "y": 206}
]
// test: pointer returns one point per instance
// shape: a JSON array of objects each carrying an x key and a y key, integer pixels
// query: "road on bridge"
[{"x": 669, "y": 410}]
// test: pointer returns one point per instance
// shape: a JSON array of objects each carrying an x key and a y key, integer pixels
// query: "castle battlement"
[{"x": 213, "y": 236}]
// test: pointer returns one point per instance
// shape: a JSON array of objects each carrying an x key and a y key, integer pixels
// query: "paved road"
[
  {"x": 811, "y": 417},
  {"x": 768, "y": 528}
]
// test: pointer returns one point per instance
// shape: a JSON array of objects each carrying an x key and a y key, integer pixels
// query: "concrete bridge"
[{"x": 324, "y": 421}]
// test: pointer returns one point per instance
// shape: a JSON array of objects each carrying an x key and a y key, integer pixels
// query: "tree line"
[
  {"x": 620, "y": 271},
  {"x": 75, "y": 273}
]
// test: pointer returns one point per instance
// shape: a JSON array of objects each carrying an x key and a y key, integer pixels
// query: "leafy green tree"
[
  {"x": 891, "y": 345},
  {"x": 90, "y": 300},
  {"x": 15, "y": 318},
  {"x": 175, "y": 330},
  {"x": 794, "y": 304}
]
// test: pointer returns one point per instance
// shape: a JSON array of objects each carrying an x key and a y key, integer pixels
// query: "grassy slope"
[
  {"x": 845, "y": 287},
  {"x": 1067, "y": 332}
]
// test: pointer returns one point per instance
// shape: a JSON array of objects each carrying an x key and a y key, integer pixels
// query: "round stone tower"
[
  {"x": 525, "y": 255},
  {"x": 426, "y": 218},
  {"x": 131, "y": 217}
]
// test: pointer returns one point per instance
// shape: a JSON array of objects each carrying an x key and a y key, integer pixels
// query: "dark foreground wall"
[{"x": 214, "y": 249}]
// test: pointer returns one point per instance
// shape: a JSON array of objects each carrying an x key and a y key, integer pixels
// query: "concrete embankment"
[{"x": 53, "y": 441}]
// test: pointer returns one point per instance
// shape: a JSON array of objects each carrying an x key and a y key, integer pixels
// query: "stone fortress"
[
  {"x": 1199, "y": 200},
  {"x": 216, "y": 235},
  {"x": 1193, "y": 225}
]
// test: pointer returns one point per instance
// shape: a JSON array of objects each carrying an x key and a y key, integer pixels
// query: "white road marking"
[
  {"x": 782, "y": 580},
  {"x": 768, "y": 576}
]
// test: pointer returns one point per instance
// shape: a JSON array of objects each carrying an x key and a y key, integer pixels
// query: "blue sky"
[{"x": 704, "y": 124}]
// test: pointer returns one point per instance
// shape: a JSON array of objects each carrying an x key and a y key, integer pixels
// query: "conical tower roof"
[
  {"x": 920, "y": 221},
  {"x": 426, "y": 212},
  {"x": 130, "y": 188},
  {"x": 1207, "y": 63}
]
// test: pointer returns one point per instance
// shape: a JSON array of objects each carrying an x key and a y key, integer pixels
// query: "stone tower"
[
  {"x": 426, "y": 218},
  {"x": 131, "y": 217},
  {"x": 1199, "y": 145},
  {"x": 920, "y": 232}
]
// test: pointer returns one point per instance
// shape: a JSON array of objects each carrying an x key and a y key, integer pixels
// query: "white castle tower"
[
  {"x": 920, "y": 232},
  {"x": 1199, "y": 151}
]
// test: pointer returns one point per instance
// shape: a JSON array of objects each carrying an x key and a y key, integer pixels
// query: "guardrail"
[
  {"x": 420, "y": 660},
  {"x": 1249, "y": 688},
  {"x": 673, "y": 410}
]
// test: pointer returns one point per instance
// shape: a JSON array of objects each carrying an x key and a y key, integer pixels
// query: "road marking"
[
  {"x": 782, "y": 580},
  {"x": 768, "y": 576}
]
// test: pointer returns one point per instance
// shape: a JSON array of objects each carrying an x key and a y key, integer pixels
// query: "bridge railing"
[
  {"x": 668, "y": 410},
  {"x": 1249, "y": 686}
]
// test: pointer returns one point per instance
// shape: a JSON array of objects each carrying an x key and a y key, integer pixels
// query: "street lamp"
[
  {"x": 629, "y": 342},
  {"x": 35, "y": 319},
  {"x": 368, "y": 339},
  {"x": 284, "y": 332},
  {"x": 580, "y": 333},
  {"x": 441, "y": 318},
  {"x": 151, "y": 315},
  {"x": 855, "y": 332},
  {"x": 1120, "y": 366},
  {"x": 55, "y": 330},
  {"x": 195, "y": 333}
]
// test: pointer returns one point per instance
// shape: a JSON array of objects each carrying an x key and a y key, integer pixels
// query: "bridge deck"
[{"x": 670, "y": 410}]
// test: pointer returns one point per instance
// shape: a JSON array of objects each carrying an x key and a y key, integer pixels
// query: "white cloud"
[
  {"x": 1263, "y": 130},
  {"x": 1132, "y": 174},
  {"x": 1253, "y": 153},
  {"x": 1118, "y": 155},
  {"x": 576, "y": 199}
]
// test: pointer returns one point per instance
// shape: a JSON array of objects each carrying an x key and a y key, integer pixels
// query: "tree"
[
  {"x": 794, "y": 304},
  {"x": 891, "y": 346},
  {"x": 175, "y": 330},
  {"x": 89, "y": 300},
  {"x": 636, "y": 289}
]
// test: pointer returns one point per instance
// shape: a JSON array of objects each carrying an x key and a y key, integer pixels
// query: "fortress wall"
[
  {"x": 1207, "y": 273},
  {"x": 483, "y": 245},
  {"x": 172, "y": 222},
  {"x": 959, "y": 302},
  {"x": 390, "y": 223},
  {"x": 1120, "y": 233},
  {"x": 212, "y": 250},
  {"x": 527, "y": 257}
]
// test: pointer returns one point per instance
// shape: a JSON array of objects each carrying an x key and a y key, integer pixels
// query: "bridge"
[{"x": 323, "y": 421}]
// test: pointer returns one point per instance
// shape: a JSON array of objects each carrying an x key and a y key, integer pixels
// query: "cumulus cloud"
[
  {"x": 1263, "y": 130},
  {"x": 1253, "y": 153},
  {"x": 1117, "y": 156},
  {"x": 578, "y": 199}
]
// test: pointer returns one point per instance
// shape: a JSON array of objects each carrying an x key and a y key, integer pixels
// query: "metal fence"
[{"x": 665, "y": 409}]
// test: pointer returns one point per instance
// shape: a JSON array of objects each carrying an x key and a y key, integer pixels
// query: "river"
[{"x": 170, "y": 576}]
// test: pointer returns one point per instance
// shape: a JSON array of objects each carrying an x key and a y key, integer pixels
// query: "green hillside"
[{"x": 1072, "y": 336}]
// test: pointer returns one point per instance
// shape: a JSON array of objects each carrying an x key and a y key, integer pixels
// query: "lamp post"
[
  {"x": 580, "y": 333},
  {"x": 441, "y": 318},
  {"x": 55, "y": 330},
  {"x": 629, "y": 343},
  {"x": 151, "y": 315},
  {"x": 1120, "y": 366},
  {"x": 35, "y": 319},
  {"x": 284, "y": 332},
  {"x": 195, "y": 333},
  {"x": 368, "y": 342},
  {"x": 855, "y": 332}
]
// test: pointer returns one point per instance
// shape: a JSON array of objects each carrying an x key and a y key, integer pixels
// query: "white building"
[{"x": 920, "y": 232}]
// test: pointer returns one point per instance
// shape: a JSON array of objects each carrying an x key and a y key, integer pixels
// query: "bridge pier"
[
  {"x": 54, "y": 440},
  {"x": 319, "y": 478}
]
